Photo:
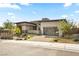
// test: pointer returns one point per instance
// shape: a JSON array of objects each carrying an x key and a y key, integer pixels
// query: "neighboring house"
[{"x": 43, "y": 27}]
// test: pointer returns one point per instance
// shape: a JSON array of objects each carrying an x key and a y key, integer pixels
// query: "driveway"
[
  {"x": 40, "y": 38},
  {"x": 23, "y": 49}
]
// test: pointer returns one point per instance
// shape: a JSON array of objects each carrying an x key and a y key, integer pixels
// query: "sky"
[{"x": 17, "y": 12}]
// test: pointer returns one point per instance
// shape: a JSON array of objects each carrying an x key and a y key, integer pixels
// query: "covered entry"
[{"x": 51, "y": 31}]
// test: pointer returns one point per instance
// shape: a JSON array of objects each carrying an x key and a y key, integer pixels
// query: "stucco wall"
[
  {"x": 25, "y": 27},
  {"x": 33, "y": 31}
]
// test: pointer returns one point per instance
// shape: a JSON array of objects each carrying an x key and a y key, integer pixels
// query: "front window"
[{"x": 34, "y": 28}]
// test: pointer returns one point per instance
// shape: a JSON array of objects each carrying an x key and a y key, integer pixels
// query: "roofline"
[
  {"x": 25, "y": 22},
  {"x": 41, "y": 21},
  {"x": 50, "y": 20}
]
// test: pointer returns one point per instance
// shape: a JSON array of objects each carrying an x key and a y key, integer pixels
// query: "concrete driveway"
[
  {"x": 40, "y": 38},
  {"x": 23, "y": 49}
]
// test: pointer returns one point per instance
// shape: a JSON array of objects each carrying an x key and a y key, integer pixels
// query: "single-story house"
[{"x": 43, "y": 27}]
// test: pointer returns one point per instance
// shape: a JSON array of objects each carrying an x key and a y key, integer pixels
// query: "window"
[{"x": 34, "y": 28}]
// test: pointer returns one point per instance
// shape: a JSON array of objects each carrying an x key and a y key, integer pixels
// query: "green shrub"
[
  {"x": 55, "y": 40},
  {"x": 17, "y": 31},
  {"x": 76, "y": 40}
]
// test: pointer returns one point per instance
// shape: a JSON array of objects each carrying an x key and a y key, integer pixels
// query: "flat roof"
[
  {"x": 25, "y": 22},
  {"x": 45, "y": 20},
  {"x": 50, "y": 20}
]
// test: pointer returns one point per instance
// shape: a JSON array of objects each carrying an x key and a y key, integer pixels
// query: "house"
[{"x": 43, "y": 27}]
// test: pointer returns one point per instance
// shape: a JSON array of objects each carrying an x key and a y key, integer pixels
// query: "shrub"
[
  {"x": 76, "y": 40},
  {"x": 17, "y": 31},
  {"x": 56, "y": 40},
  {"x": 28, "y": 37},
  {"x": 25, "y": 38}
]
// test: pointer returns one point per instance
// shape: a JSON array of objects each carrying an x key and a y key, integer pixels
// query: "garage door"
[{"x": 51, "y": 31}]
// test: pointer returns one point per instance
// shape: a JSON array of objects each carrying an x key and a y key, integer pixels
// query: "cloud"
[
  {"x": 10, "y": 14},
  {"x": 67, "y": 4},
  {"x": 71, "y": 15},
  {"x": 34, "y": 12},
  {"x": 13, "y": 17},
  {"x": 13, "y": 3},
  {"x": 64, "y": 16},
  {"x": 77, "y": 4},
  {"x": 26, "y": 4},
  {"x": 77, "y": 11},
  {"x": 9, "y": 5},
  {"x": 23, "y": 2}
]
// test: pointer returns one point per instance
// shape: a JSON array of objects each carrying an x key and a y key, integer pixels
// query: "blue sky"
[{"x": 17, "y": 12}]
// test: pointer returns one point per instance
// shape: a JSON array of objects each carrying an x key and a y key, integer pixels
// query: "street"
[{"x": 22, "y": 49}]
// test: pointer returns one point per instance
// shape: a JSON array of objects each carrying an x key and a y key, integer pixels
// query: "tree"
[
  {"x": 8, "y": 25},
  {"x": 66, "y": 27},
  {"x": 14, "y": 29}
]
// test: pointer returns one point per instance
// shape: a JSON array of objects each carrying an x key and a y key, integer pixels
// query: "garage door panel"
[{"x": 50, "y": 31}]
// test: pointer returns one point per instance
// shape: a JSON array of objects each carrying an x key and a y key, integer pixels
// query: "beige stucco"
[
  {"x": 33, "y": 31},
  {"x": 26, "y": 26}
]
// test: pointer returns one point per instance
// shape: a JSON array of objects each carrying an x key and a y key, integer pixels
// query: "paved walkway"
[{"x": 29, "y": 48}]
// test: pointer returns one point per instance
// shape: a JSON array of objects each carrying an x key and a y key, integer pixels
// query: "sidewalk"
[{"x": 56, "y": 46}]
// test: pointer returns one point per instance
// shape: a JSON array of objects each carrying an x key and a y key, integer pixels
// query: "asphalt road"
[{"x": 22, "y": 49}]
